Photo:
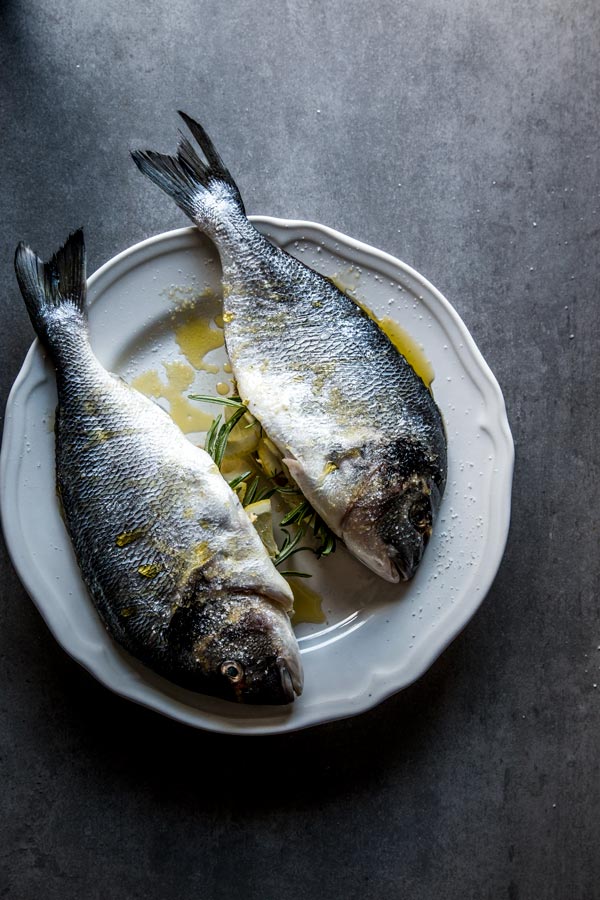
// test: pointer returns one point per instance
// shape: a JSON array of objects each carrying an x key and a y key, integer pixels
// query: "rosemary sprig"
[
  {"x": 290, "y": 546},
  {"x": 303, "y": 516}
]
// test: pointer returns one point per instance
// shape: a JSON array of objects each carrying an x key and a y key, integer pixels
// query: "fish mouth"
[
  {"x": 290, "y": 677},
  {"x": 406, "y": 557},
  {"x": 406, "y": 567},
  {"x": 390, "y": 536}
]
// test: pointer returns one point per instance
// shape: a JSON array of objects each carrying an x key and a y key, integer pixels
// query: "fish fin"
[
  {"x": 193, "y": 183},
  {"x": 208, "y": 148},
  {"x": 57, "y": 284}
]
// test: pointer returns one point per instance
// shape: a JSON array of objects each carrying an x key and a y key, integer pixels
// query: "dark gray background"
[{"x": 464, "y": 140}]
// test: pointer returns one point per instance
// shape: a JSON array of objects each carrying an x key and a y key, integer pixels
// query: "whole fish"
[
  {"x": 173, "y": 564},
  {"x": 359, "y": 430}
]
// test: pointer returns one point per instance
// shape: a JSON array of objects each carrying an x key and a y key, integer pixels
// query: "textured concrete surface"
[{"x": 462, "y": 137}]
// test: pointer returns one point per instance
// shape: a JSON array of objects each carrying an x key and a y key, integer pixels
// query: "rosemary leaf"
[
  {"x": 222, "y": 401},
  {"x": 296, "y": 515},
  {"x": 297, "y": 574},
  {"x": 251, "y": 492},
  {"x": 266, "y": 494},
  {"x": 209, "y": 444},
  {"x": 327, "y": 547},
  {"x": 235, "y": 482},
  {"x": 223, "y": 435}
]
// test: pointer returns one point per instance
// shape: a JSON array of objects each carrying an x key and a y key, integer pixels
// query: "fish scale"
[
  {"x": 359, "y": 430},
  {"x": 173, "y": 564}
]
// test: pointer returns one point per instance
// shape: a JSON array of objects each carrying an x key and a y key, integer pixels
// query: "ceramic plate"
[{"x": 377, "y": 637}]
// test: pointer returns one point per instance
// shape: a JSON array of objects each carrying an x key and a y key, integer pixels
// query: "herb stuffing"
[{"x": 236, "y": 441}]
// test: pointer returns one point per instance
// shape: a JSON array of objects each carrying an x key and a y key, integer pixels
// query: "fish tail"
[
  {"x": 203, "y": 189},
  {"x": 54, "y": 292}
]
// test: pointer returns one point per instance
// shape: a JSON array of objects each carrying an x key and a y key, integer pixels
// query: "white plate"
[{"x": 378, "y": 637}]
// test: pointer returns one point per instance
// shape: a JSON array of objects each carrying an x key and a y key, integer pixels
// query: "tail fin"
[
  {"x": 191, "y": 182},
  {"x": 57, "y": 284}
]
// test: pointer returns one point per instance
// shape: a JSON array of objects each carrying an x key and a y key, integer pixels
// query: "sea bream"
[
  {"x": 173, "y": 564},
  {"x": 359, "y": 430}
]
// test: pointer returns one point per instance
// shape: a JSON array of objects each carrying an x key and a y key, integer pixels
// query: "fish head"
[
  {"x": 389, "y": 528},
  {"x": 239, "y": 647}
]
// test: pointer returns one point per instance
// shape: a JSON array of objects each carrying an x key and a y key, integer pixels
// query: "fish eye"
[
  {"x": 233, "y": 670},
  {"x": 420, "y": 515}
]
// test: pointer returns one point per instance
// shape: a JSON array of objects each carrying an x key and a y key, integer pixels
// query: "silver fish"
[
  {"x": 173, "y": 564},
  {"x": 359, "y": 430}
]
